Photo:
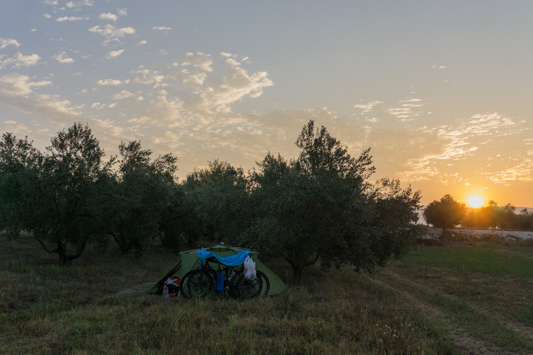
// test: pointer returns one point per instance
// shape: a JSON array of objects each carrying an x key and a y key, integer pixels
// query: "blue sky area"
[{"x": 440, "y": 90}]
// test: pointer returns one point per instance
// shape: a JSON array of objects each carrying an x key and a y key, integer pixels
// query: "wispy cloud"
[
  {"x": 197, "y": 102},
  {"x": 108, "y": 16},
  {"x": 408, "y": 110},
  {"x": 493, "y": 124},
  {"x": 109, "y": 82},
  {"x": 112, "y": 128},
  {"x": 199, "y": 60},
  {"x": 369, "y": 106},
  {"x": 71, "y": 4},
  {"x": 196, "y": 80},
  {"x": 4, "y": 42},
  {"x": 399, "y": 152},
  {"x": 19, "y": 85},
  {"x": 523, "y": 171},
  {"x": 111, "y": 33},
  {"x": 161, "y": 28},
  {"x": 197, "y": 97},
  {"x": 68, "y": 18},
  {"x": 59, "y": 112},
  {"x": 62, "y": 58},
  {"x": 236, "y": 85},
  {"x": 232, "y": 62},
  {"x": 484, "y": 147},
  {"x": 114, "y": 54},
  {"x": 99, "y": 106},
  {"x": 148, "y": 76},
  {"x": 122, "y": 95},
  {"x": 20, "y": 60}
]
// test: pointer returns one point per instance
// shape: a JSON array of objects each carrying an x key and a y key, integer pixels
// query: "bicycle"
[{"x": 201, "y": 282}]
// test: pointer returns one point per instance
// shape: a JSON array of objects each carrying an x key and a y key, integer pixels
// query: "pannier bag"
[
  {"x": 249, "y": 268},
  {"x": 169, "y": 288}
]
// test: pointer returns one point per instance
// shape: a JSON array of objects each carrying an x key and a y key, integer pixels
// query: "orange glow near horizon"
[{"x": 475, "y": 202}]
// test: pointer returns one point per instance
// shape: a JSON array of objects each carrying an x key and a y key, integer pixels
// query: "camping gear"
[
  {"x": 189, "y": 261},
  {"x": 220, "y": 282},
  {"x": 249, "y": 269},
  {"x": 171, "y": 291},
  {"x": 232, "y": 260},
  {"x": 205, "y": 279},
  {"x": 169, "y": 288}
]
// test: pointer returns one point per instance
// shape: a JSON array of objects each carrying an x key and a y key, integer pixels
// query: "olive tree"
[
  {"x": 20, "y": 165},
  {"x": 320, "y": 207},
  {"x": 493, "y": 216},
  {"x": 56, "y": 195},
  {"x": 143, "y": 191},
  {"x": 525, "y": 220},
  {"x": 219, "y": 195},
  {"x": 445, "y": 214}
]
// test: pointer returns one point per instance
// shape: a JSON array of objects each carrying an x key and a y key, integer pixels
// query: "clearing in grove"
[{"x": 458, "y": 299}]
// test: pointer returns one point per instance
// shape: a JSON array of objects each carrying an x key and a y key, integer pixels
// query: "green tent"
[{"x": 189, "y": 260}]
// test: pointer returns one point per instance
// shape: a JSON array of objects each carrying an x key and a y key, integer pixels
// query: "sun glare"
[{"x": 475, "y": 202}]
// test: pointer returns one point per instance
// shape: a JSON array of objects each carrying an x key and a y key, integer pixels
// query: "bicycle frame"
[{"x": 202, "y": 280}]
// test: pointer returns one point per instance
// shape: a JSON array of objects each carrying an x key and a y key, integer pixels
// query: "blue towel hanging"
[{"x": 232, "y": 260}]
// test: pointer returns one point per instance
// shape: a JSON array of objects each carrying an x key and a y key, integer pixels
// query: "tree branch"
[
  {"x": 182, "y": 215},
  {"x": 45, "y": 248}
]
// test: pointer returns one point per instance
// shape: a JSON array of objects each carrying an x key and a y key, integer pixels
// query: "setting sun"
[{"x": 475, "y": 202}]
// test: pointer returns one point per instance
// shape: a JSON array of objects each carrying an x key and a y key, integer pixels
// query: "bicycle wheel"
[
  {"x": 266, "y": 284},
  {"x": 245, "y": 289},
  {"x": 201, "y": 283},
  {"x": 184, "y": 289}
]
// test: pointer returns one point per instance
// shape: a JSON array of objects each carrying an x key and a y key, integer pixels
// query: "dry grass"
[
  {"x": 94, "y": 307},
  {"x": 485, "y": 288},
  {"x": 494, "y": 277}
]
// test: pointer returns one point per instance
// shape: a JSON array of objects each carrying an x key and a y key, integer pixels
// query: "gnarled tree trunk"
[
  {"x": 61, "y": 250},
  {"x": 297, "y": 269}
]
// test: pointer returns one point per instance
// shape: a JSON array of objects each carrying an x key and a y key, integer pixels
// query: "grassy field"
[
  {"x": 97, "y": 306},
  {"x": 485, "y": 290},
  {"x": 498, "y": 278}
]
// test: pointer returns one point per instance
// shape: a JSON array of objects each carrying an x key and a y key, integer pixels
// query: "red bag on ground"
[{"x": 170, "y": 287}]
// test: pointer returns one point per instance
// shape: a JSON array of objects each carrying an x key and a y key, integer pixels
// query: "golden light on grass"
[{"x": 475, "y": 202}]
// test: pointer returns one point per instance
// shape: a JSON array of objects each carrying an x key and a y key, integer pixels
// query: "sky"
[{"x": 439, "y": 90}]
